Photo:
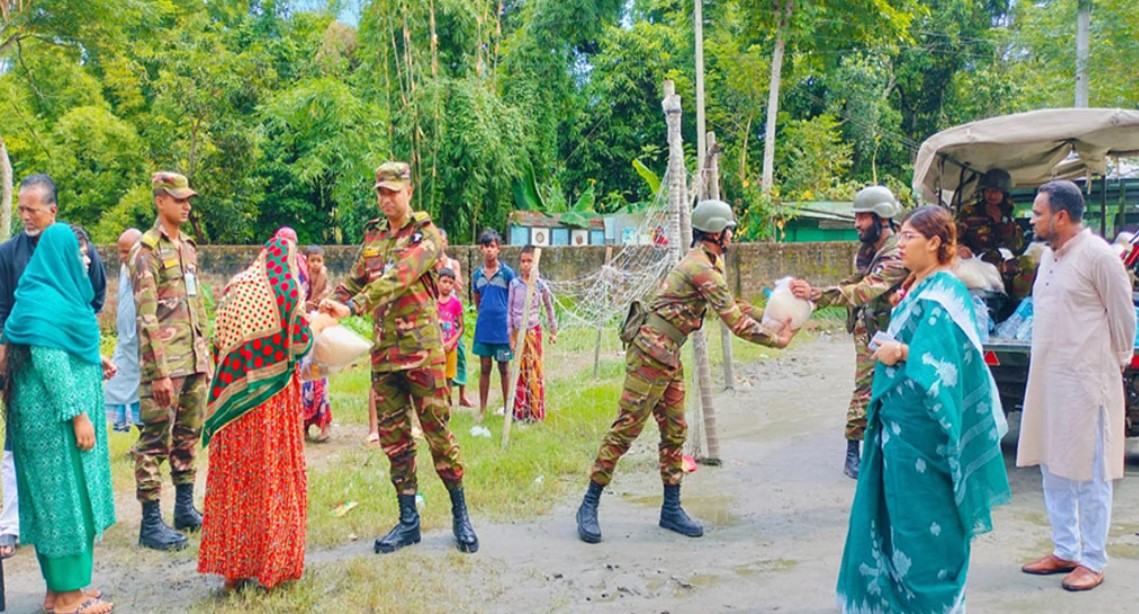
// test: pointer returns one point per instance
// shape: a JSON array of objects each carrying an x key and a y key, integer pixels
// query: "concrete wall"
[{"x": 751, "y": 266}]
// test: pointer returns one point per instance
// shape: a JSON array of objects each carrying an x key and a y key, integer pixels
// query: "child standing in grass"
[
  {"x": 530, "y": 395},
  {"x": 451, "y": 321},
  {"x": 492, "y": 341},
  {"x": 317, "y": 411}
]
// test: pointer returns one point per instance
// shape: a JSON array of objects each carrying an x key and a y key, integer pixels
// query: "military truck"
[{"x": 1034, "y": 147}]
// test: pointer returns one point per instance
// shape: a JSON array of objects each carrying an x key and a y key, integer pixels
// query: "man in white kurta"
[{"x": 1083, "y": 336}]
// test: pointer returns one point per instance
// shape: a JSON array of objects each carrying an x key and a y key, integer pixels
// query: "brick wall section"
[{"x": 751, "y": 266}]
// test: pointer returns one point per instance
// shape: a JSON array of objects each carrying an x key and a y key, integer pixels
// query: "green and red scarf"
[{"x": 260, "y": 333}]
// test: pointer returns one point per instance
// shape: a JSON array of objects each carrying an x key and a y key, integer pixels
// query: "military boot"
[
  {"x": 672, "y": 516},
  {"x": 406, "y": 532},
  {"x": 461, "y": 524},
  {"x": 186, "y": 516},
  {"x": 853, "y": 458},
  {"x": 155, "y": 533},
  {"x": 587, "y": 526}
]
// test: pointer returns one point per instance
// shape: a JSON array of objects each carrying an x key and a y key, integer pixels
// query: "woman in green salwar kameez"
[
  {"x": 55, "y": 412},
  {"x": 932, "y": 468}
]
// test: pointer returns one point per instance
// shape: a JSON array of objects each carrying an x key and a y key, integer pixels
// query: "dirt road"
[{"x": 775, "y": 516}]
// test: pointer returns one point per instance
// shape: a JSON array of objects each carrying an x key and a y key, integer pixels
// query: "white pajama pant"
[
  {"x": 10, "y": 515},
  {"x": 1080, "y": 512}
]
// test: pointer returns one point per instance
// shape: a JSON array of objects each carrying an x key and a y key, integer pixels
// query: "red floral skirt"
[
  {"x": 256, "y": 499},
  {"x": 530, "y": 395}
]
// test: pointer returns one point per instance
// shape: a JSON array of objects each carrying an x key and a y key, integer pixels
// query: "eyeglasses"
[{"x": 909, "y": 235}]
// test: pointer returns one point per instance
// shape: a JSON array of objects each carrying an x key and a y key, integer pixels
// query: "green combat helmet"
[
  {"x": 878, "y": 200},
  {"x": 712, "y": 216},
  {"x": 997, "y": 178}
]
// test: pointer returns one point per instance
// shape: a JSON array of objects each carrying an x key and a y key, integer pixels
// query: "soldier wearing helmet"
[
  {"x": 866, "y": 296},
  {"x": 987, "y": 226},
  {"x": 654, "y": 377}
]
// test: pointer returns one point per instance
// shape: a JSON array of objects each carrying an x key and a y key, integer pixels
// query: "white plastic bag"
[
  {"x": 334, "y": 348},
  {"x": 977, "y": 274},
  {"x": 782, "y": 304}
]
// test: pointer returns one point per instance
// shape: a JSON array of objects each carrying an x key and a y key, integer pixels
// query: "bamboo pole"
[{"x": 516, "y": 363}]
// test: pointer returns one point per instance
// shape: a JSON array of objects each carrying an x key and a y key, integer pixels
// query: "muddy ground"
[{"x": 775, "y": 516}]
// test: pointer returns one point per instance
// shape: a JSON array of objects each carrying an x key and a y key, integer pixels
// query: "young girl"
[
  {"x": 314, "y": 394},
  {"x": 451, "y": 321},
  {"x": 530, "y": 395}
]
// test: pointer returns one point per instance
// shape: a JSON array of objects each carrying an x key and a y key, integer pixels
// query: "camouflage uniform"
[
  {"x": 866, "y": 296},
  {"x": 172, "y": 343},
  {"x": 654, "y": 375},
  {"x": 978, "y": 231},
  {"x": 394, "y": 278}
]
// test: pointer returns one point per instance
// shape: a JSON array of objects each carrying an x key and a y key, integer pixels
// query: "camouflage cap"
[
  {"x": 174, "y": 184},
  {"x": 393, "y": 175}
]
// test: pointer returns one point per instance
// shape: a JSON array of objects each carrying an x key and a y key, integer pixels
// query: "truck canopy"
[{"x": 1034, "y": 147}]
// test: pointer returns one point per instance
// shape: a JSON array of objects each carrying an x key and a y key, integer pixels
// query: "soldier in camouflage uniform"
[
  {"x": 394, "y": 279},
  {"x": 174, "y": 362},
  {"x": 866, "y": 296},
  {"x": 987, "y": 226},
  {"x": 654, "y": 375}
]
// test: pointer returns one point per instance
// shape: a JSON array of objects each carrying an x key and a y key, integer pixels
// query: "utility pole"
[
  {"x": 701, "y": 143},
  {"x": 1083, "y": 27}
]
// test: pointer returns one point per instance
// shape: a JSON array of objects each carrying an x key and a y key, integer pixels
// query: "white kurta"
[{"x": 1083, "y": 334}]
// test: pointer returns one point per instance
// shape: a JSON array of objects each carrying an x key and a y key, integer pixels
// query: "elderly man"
[
  {"x": 120, "y": 393},
  {"x": 37, "y": 208},
  {"x": 1083, "y": 337},
  {"x": 394, "y": 280},
  {"x": 174, "y": 363}
]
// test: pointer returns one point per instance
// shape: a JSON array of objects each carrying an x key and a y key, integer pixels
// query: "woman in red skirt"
[{"x": 255, "y": 507}]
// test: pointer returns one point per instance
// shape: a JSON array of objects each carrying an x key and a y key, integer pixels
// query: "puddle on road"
[
  {"x": 714, "y": 510},
  {"x": 766, "y": 565}
]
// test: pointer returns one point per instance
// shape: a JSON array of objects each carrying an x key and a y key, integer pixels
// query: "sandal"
[
  {"x": 373, "y": 439},
  {"x": 320, "y": 438},
  {"x": 90, "y": 593},
  {"x": 89, "y": 606}
]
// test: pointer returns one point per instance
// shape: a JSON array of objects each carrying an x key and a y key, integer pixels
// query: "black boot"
[
  {"x": 587, "y": 526},
  {"x": 672, "y": 516},
  {"x": 406, "y": 532},
  {"x": 853, "y": 457},
  {"x": 186, "y": 516},
  {"x": 461, "y": 524},
  {"x": 155, "y": 533}
]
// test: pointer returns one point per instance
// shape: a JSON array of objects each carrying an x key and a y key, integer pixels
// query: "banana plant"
[{"x": 529, "y": 196}]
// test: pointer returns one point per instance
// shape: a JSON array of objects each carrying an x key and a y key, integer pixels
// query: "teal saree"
[{"x": 932, "y": 467}]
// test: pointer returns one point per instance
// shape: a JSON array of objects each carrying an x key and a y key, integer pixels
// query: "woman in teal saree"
[{"x": 932, "y": 468}]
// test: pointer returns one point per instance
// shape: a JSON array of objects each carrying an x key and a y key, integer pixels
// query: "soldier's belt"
[{"x": 666, "y": 328}]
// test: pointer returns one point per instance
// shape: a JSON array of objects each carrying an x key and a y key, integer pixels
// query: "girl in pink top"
[{"x": 451, "y": 321}]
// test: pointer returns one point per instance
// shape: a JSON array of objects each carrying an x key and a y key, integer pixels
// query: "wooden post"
[
  {"x": 678, "y": 241},
  {"x": 713, "y": 192},
  {"x": 600, "y": 326},
  {"x": 516, "y": 363}
]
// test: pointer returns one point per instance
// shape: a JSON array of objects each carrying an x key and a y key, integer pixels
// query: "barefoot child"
[
  {"x": 316, "y": 410},
  {"x": 447, "y": 262},
  {"x": 530, "y": 395},
  {"x": 492, "y": 342},
  {"x": 451, "y": 320}
]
